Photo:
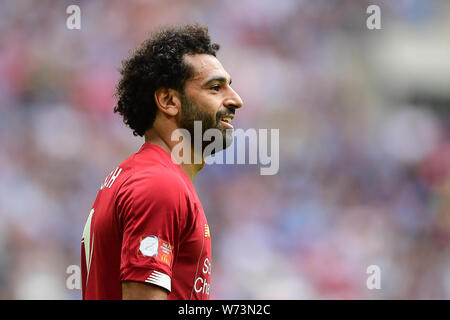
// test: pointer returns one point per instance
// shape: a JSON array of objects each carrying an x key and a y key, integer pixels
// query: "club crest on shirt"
[
  {"x": 152, "y": 246},
  {"x": 149, "y": 246}
]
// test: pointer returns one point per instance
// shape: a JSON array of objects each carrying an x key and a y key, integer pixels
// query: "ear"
[{"x": 168, "y": 101}]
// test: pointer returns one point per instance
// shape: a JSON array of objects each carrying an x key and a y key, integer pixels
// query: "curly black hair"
[{"x": 158, "y": 62}]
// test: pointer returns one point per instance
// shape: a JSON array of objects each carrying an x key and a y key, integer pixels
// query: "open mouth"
[{"x": 226, "y": 121}]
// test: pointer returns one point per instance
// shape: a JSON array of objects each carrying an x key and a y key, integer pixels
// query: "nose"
[{"x": 234, "y": 100}]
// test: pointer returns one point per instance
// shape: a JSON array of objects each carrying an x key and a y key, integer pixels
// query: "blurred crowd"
[{"x": 364, "y": 173}]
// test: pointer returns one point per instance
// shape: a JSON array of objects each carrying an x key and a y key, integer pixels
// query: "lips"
[{"x": 226, "y": 121}]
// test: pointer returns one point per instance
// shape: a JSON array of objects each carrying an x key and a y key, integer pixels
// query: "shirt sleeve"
[{"x": 152, "y": 210}]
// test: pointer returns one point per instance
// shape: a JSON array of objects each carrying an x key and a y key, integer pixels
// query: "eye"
[{"x": 216, "y": 87}]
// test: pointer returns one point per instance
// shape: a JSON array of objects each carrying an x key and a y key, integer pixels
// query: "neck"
[{"x": 190, "y": 169}]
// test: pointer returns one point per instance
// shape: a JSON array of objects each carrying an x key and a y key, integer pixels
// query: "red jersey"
[{"x": 148, "y": 225}]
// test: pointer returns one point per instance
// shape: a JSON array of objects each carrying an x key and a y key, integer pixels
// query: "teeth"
[{"x": 226, "y": 119}]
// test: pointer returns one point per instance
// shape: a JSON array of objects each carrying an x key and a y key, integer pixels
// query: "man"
[{"x": 147, "y": 236}]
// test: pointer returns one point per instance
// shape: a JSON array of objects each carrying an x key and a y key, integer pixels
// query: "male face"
[{"x": 209, "y": 98}]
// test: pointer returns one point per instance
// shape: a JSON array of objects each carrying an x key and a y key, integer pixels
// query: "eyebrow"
[{"x": 218, "y": 79}]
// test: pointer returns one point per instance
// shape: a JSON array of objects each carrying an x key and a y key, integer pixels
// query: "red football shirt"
[{"x": 148, "y": 225}]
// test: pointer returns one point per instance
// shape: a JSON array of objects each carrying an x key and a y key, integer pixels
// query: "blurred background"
[{"x": 364, "y": 126}]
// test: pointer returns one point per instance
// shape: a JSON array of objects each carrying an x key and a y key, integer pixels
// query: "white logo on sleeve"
[{"x": 149, "y": 246}]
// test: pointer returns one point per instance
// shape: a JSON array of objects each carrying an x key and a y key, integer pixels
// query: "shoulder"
[
  {"x": 154, "y": 185},
  {"x": 160, "y": 178}
]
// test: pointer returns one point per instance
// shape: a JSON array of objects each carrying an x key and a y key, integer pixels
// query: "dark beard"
[{"x": 191, "y": 112}]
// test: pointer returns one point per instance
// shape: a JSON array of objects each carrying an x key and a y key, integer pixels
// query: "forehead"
[{"x": 205, "y": 66}]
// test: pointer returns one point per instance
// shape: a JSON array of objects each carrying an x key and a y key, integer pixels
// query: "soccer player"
[{"x": 147, "y": 236}]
